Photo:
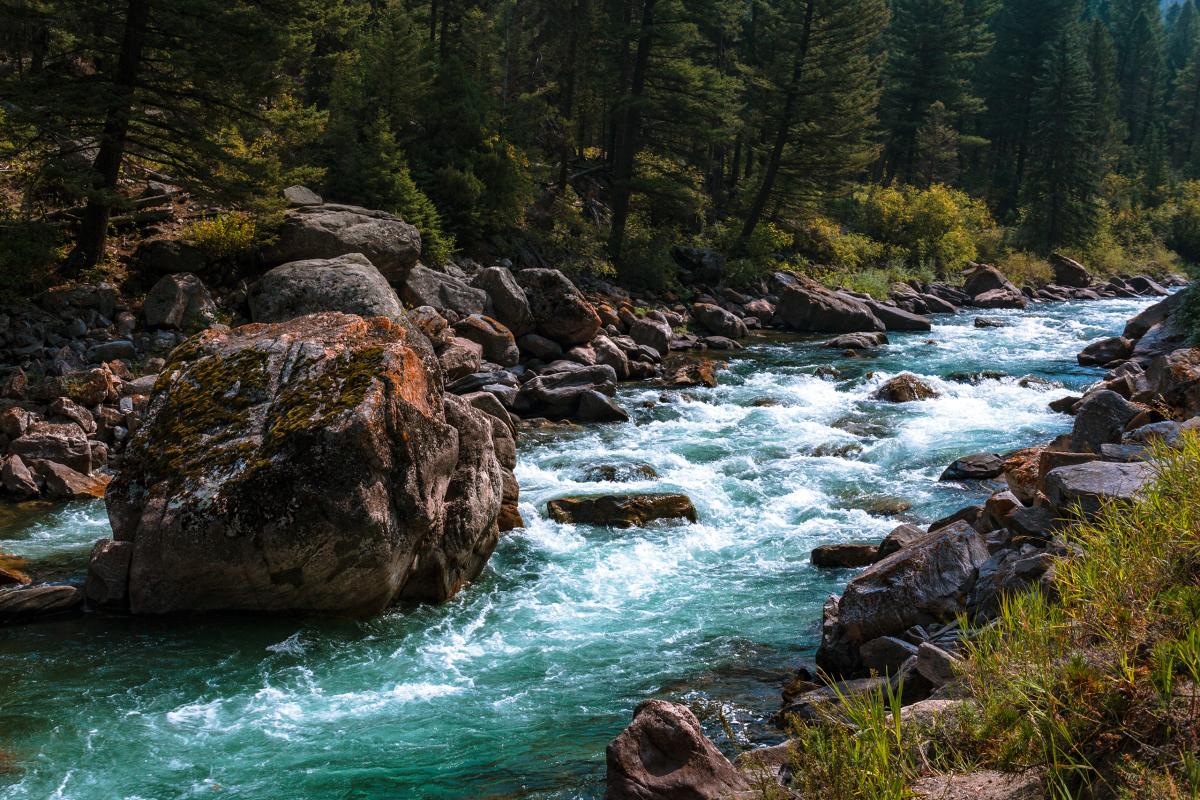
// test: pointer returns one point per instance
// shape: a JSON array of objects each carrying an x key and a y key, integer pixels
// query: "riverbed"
[{"x": 513, "y": 688}]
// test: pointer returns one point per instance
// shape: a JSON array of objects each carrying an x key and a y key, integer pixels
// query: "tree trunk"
[
  {"x": 627, "y": 137},
  {"x": 782, "y": 134},
  {"x": 93, "y": 230},
  {"x": 567, "y": 107}
]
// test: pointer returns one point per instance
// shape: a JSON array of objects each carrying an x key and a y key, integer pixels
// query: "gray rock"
[
  {"x": 427, "y": 287},
  {"x": 30, "y": 603},
  {"x": 805, "y": 305},
  {"x": 329, "y": 231},
  {"x": 1101, "y": 418},
  {"x": 1105, "y": 351},
  {"x": 107, "y": 584},
  {"x": 597, "y": 407},
  {"x": 897, "y": 319},
  {"x": 1069, "y": 272},
  {"x": 508, "y": 299},
  {"x": 179, "y": 301},
  {"x": 1088, "y": 486},
  {"x": 717, "y": 320},
  {"x": 900, "y": 537},
  {"x": 652, "y": 333},
  {"x": 845, "y": 554},
  {"x": 978, "y": 466},
  {"x": 857, "y": 341},
  {"x": 557, "y": 395},
  {"x": 298, "y": 196},
  {"x": 936, "y": 665},
  {"x": 905, "y": 388},
  {"x": 886, "y": 654},
  {"x": 348, "y": 283},
  {"x": 116, "y": 349},
  {"x": 927, "y": 581}
]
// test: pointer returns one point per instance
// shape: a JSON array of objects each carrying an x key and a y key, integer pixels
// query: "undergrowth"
[{"x": 1095, "y": 688}]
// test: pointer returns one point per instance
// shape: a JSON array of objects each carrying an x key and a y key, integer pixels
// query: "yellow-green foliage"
[
  {"x": 228, "y": 236},
  {"x": 1025, "y": 269},
  {"x": 762, "y": 252},
  {"x": 935, "y": 228}
]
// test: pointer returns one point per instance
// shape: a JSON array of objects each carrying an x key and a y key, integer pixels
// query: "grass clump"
[{"x": 1097, "y": 688}]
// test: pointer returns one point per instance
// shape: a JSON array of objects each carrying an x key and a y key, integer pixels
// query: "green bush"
[{"x": 230, "y": 236}]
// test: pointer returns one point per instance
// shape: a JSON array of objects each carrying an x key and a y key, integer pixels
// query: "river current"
[{"x": 513, "y": 688}]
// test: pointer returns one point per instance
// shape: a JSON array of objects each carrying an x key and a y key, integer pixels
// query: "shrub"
[
  {"x": 229, "y": 236},
  {"x": 1025, "y": 269}
]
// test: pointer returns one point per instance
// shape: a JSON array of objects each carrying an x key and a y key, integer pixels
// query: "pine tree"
[
  {"x": 820, "y": 81},
  {"x": 936, "y": 158},
  {"x": 1061, "y": 194},
  {"x": 1106, "y": 123},
  {"x": 1182, "y": 31},
  {"x": 167, "y": 86},
  {"x": 1141, "y": 72},
  {"x": 933, "y": 47},
  {"x": 1185, "y": 115}
]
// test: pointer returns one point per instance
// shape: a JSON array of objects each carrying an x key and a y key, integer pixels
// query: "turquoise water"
[{"x": 513, "y": 689}]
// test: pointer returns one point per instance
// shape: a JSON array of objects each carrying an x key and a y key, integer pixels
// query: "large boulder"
[
  {"x": 560, "y": 311},
  {"x": 1105, "y": 351},
  {"x": 557, "y": 395},
  {"x": 313, "y": 465},
  {"x": 179, "y": 301},
  {"x": 1101, "y": 419},
  {"x": 805, "y": 305},
  {"x": 1088, "y": 486},
  {"x": 652, "y": 333},
  {"x": 717, "y": 320},
  {"x": 664, "y": 755},
  {"x": 348, "y": 283},
  {"x": 509, "y": 302},
  {"x": 1069, "y": 272},
  {"x": 925, "y": 582},
  {"x": 329, "y": 231},
  {"x": 1138, "y": 326},
  {"x": 982, "y": 278},
  {"x": 977, "y": 466},
  {"x": 495, "y": 340},
  {"x": 905, "y": 388},
  {"x": 428, "y": 287},
  {"x": 897, "y": 319}
]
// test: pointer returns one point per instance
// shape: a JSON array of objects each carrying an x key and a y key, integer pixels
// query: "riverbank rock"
[
  {"x": 1105, "y": 351},
  {"x": 348, "y": 283},
  {"x": 28, "y": 603},
  {"x": 988, "y": 288},
  {"x": 1069, "y": 272},
  {"x": 805, "y": 305},
  {"x": 330, "y": 230},
  {"x": 898, "y": 319},
  {"x": 1101, "y": 419},
  {"x": 1090, "y": 485},
  {"x": 905, "y": 388},
  {"x": 508, "y": 299},
  {"x": 179, "y": 301},
  {"x": 622, "y": 511},
  {"x": 423, "y": 286},
  {"x": 845, "y": 554},
  {"x": 557, "y": 395},
  {"x": 975, "y": 467},
  {"x": 560, "y": 311},
  {"x": 857, "y": 341},
  {"x": 717, "y": 320},
  {"x": 314, "y": 465},
  {"x": 664, "y": 755},
  {"x": 927, "y": 581}
]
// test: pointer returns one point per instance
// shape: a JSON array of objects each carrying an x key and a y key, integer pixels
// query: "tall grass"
[{"x": 1097, "y": 688}]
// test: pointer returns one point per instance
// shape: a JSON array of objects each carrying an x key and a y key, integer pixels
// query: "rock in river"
[
  {"x": 313, "y": 465},
  {"x": 622, "y": 511},
  {"x": 905, "y": 388},
  {"x": 664, "y": 755}
]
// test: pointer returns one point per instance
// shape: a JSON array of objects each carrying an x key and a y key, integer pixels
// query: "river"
[{"x": 513, "y": 688}]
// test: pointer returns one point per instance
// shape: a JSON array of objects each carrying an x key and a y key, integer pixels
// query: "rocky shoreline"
[
  {"x": 339, "y": 433},
  {"x": 895, "y": 626}
]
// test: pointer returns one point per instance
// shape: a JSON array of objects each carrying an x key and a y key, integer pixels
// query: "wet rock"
[
  {"x": 1100, "y": 419},
  {"x": 1105, "y": 351},
  {"x": 975, "y": 467},
  {"x": 1145, "y": 286},
  {"x": 349, "y": 283},
  {"x": 927, "y": 581},
  {"x": 845, "y": 554},
  {"x": 1000, "y": 298},
  {"x": 1069, "y": 272},
  {"x": 497, "y": 342},
  {"x": 1088, "y": 486},
  {"x": 857, "y": 341},
  {"x": 330, "y": 230},
  {"x": 692, "y": 373},
  {"x": 614, "y": 473},
  {"x": 664, "y": 755},
  {"x": 622, "y": 511},
  {"x": 597, "y": 407},
  {"x": 991, "y": 322},
  {"x": 179, "y": 301},
  {"x": 805, "y": 305},
  {"x": 560, "y": 312},
  {"x": 897, "y": 319},
  {"x": 509, "y": 302},
  {"x": 312, "y": 465},
  {"x": 1065, "y": 405},
  {"x": 30, "y": 603},
  {"x": 905, "y": 388},
  {"x": 557, "y": 395},
  {"x": 900, "y": 537},
  {"x": 427, "y": 287},
  {"x": 108, "y": 575}
]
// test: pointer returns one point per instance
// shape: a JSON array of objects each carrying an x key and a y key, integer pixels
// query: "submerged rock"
[
  {"x": 845, "y": 554},
  {"x": 314, "y": 465},
  {"x": 622, "y": 511},
  {"x": 664, "y": 755}
]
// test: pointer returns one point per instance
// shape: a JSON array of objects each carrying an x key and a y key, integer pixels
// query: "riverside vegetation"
[{"x": 534, "y": 235}]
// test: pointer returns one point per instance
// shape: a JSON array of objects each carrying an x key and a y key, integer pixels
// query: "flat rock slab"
[
  {"x": 1090, "y": 485},
  {"x": 622, "y": 511},
  {"x": 33, "y": 602},
  {"x": 982, "y": 785},
  {"x": 845, "y": 554}
]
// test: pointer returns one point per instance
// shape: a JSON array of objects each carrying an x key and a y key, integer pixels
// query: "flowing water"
[{"x": 513, "y": 688}]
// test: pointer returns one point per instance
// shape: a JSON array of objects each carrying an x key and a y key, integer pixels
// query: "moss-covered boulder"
[{"x": 312, "y": 465}]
